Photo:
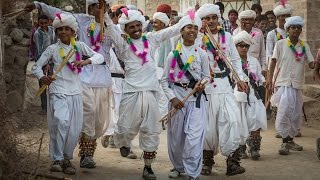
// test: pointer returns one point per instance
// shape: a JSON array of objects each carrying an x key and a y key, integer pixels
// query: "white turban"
[
  {"x": 89, "y": 2},
  {"x": 247, "y": 14},
  {"x": 132, "y": 15},
  {"x": 132, "y": 7},
  {"x": 186, "y": 20},
  {"x": 283, "y": 9},
  {"x": 208, "y": 9},
  {"x": 64, "y": 19},
  {"x": 161, "y": 17},
  {"x": 294, "y": 20},
  {"x": 243, "y": 36}
]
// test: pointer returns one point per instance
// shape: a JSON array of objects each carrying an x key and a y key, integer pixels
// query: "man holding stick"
[
  {"x": 187, "y": 66},
  {"x": 223, "y": 121},
  {"x": 65, "y": 112},
  {"x": 96, "y": 80}
]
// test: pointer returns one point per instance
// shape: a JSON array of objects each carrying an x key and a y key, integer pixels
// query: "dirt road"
[{"x": 111, "y": 166}]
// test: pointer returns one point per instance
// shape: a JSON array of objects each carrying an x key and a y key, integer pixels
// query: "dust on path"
[{"x": 111, "y": 166}]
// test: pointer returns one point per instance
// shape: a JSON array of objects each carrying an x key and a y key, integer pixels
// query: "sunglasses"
[
  {"x": 243, "y": 46},
  {"x": 296, "y": 27}
]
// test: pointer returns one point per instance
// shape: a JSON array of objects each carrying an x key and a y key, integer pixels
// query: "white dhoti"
[
  {"x": 253, "y": 116},
  {"x": 115, "y": 101},
  {"x": 223, "y": 124},
  {"x": 163, "y": 102},
  {"x": 289, "y": 102},
  {"x": 139, "y": 113},
  {"x": 185, "y": 138},
  {"x": 65, "y": 117},
  {"x": 96, "y": 110}
]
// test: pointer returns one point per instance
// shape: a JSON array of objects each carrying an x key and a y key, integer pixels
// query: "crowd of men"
[{"x": 113, "y": 73}]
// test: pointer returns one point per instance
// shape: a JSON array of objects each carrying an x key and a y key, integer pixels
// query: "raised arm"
[
  {"x": 116, "y": 38},
  {"x": 164, "y": 34}
]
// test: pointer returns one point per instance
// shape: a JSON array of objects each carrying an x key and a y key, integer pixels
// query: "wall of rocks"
[{"x": 16, "y": 40}]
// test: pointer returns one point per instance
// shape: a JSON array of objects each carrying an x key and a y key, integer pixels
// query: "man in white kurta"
[
  {"x": 65, "y": 111},
  {"x": 281, "y": 12},
  {"x": 287, "y": 71},
  {"x": 223, "y": 122},
  {"x": 139, "y": 109},
  {"x": 96, "y": 81},
  {"x": 258, "y": 49},
  {"x": 253, "y": 111},
  {"x": 161, "y": 21},
  {"x": 186, "y": 127}
]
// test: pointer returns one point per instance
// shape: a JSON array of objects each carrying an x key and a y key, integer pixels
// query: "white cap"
[
  {"x": 294, "y": 20},
  {"x": 161, "y": 17},
  {"x": 283, "y": 9},
  {"x": 243, "y": 36},
  {"x": 247, "y": 14},
  {"x": 191, "y": 18},
  {"x": 64, "y": 19},
  {"x": 129, "y": 16}
]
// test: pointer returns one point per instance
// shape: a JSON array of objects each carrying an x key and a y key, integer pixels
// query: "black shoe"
[
  {"x": 148, "y": 174},
  {"x": 87, "y": 162},
  {"x": 124, "y": 151}
]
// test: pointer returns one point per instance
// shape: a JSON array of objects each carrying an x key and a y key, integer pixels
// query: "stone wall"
[{"x": 16, "y": 39}]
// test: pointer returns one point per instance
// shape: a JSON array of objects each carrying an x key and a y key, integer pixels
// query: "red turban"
[{"x": 165, "y": 8}]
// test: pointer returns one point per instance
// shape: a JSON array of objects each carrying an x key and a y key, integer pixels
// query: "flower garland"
[
  {"x": 95, "y": 43},
  {"x": 245, "y": 67},
  {"x": 296, "y": 53},
  {"x": 209, "y": 45},
  {"x": 143, "y": 54},
  {"x": 77, "y": 53},
  {"x": 279, "y": 36},
  {"x": 174, "y": 63}
]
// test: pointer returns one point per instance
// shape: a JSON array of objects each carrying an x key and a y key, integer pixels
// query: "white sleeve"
[
  {"x": 269, "y": 46},
  {"x": 95, "y": 57},
  {"x": 259, "y": 73},
  {"x": 204, "y": 65},
  {"x": 116, "y": 38},
  {"x": 263, "y": 53},
  {"x": 165, "y": 79},
  {"x": 43, "y": 60},
  {"x": 309, "y": 57},
  {"x": 164, "y": 34},
  {"x": 235, "y": 59}
]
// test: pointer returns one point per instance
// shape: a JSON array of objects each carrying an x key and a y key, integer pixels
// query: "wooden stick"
[
  {"x": 64, "y": 62},
  {"x": 13, "y": 13},
  {"x": 101, "y": 22},
  {"x": 221, "y": 53},
  {"x": 34, "y": 171},
  {"x": 173, "y": 111}
]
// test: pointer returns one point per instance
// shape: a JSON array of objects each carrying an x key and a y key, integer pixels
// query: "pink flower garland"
[{"x": 142, "y": 55}]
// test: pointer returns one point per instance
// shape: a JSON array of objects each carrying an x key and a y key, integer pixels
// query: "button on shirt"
[{"x": 290, "y": 71}]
